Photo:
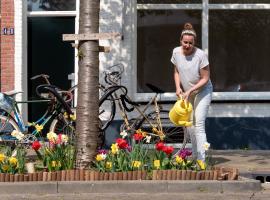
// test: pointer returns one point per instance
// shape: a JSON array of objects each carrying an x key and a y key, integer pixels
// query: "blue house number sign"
[{"x": 8, "y": 31}]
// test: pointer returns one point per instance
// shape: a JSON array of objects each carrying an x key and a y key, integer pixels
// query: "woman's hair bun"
[{"x": 188, "y": 26}]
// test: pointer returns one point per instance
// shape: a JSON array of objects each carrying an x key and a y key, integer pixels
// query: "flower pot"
[{"x": 30, "y": 168}]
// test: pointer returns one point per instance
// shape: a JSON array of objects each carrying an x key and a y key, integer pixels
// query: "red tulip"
[
  {"x": 168, "y": 149},
  {"x": 159, "y": 146},
  {"x": 138, "y": 136},
  {"x": 122, "y": 144},
  {"x": 36, "y": 145}
]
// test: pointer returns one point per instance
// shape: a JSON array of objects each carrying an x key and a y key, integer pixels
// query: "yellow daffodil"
[
  {"x": 39, "y": 128},
  {"x": 99, "y": 157},
  {"x": 136, "y": 163},
  {"x": 72, "y": 117},
  {"x": 114, "y": 148},
  {"x": 201, "y": 164},
  {"x": 52, "y": 136},
  {"x": 5, "y": 167},
  {"x": 56, "y": 164},
  {"x": 2, "y": 157},
  {"x": 178, "y": 159},
  {"x": 53, "y": 163},
  {"x": 157, "y": 164},
  {"x": 108, "y": 165},
  {"x": 65, "y": 115},
  {"x": 13, "y": 161}
]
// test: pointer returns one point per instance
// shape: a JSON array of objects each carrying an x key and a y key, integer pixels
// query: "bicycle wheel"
[
  {"x": 172, "y": 133},
  {"x": 106, "y": 108},
  {"x": 7, "y": 125},
  {"x": 61, "y": 125}
]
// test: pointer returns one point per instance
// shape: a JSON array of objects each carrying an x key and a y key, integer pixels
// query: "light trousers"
[{"x": 200, "y": 102}]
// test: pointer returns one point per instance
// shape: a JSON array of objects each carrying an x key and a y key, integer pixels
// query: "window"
[
  {"x": 158, "y": 32},
  {"x": 234, "y": 33},
  {"x": 239, "y": 49},
  {"x": 51, "y": 5}
]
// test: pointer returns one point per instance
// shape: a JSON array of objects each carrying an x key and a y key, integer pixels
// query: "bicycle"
[
  {"x": 155, "y": 122},
  {"x": 57, "y": 109}
]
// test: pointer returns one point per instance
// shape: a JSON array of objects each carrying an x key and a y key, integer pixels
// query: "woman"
[{"x": 192, "y": 82}]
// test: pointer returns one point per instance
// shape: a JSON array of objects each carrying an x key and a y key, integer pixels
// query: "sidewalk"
[{"x": 251, "y": 163}]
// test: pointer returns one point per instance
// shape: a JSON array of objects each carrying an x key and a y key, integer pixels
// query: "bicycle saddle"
[{"x": 154, "y": 88}]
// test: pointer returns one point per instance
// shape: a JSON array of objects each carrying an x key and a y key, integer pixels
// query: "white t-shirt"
[{"x": 189, "y": 66}]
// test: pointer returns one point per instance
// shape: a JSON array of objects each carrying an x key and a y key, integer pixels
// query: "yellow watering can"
[{"x": 180, "y": 114}]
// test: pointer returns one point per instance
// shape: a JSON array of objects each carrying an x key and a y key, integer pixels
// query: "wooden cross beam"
[{"x": 91, "y": 36}]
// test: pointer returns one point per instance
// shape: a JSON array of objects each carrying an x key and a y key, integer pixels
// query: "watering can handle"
[{"x": 181, "y": 99}]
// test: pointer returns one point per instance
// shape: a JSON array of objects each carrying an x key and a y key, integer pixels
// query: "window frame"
[{"x": 205, "y": 7}]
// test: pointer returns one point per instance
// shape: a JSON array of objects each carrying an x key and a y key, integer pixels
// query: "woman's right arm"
[{"x": 177, "y": 82}]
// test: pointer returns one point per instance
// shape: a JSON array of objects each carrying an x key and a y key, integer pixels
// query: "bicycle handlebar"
[
  {"x": 44, "y": 76},
  {"x": 56, "y": 94},
  {"x": 113, "y": 74}
]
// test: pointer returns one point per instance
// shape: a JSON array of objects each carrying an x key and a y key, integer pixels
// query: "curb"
[{"x": 143, "y": 186}]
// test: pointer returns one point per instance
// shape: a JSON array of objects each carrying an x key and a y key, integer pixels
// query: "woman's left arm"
[{"x": 205, "y": 76}]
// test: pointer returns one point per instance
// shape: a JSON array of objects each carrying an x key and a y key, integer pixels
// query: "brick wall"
[{"x": 7, "y": 46}]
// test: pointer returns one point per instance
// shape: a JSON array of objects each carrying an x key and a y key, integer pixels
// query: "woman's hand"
[
  {"x": 179, "y": 92},
  {"x": 186, "y": 95}
]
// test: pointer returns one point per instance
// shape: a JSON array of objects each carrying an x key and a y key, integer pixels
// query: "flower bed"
[
  {"x": 127, "y": 159},
  {"x": 90, "y": 175}
]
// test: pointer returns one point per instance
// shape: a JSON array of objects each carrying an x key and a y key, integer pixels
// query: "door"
[{"x": 48, "y": 54}]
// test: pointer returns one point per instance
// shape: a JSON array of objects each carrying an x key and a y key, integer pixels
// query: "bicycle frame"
[{"x": 15, "y": 112}]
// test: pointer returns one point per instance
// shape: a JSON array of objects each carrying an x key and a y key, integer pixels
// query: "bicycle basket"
[{"x": 6, "y": 103}]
